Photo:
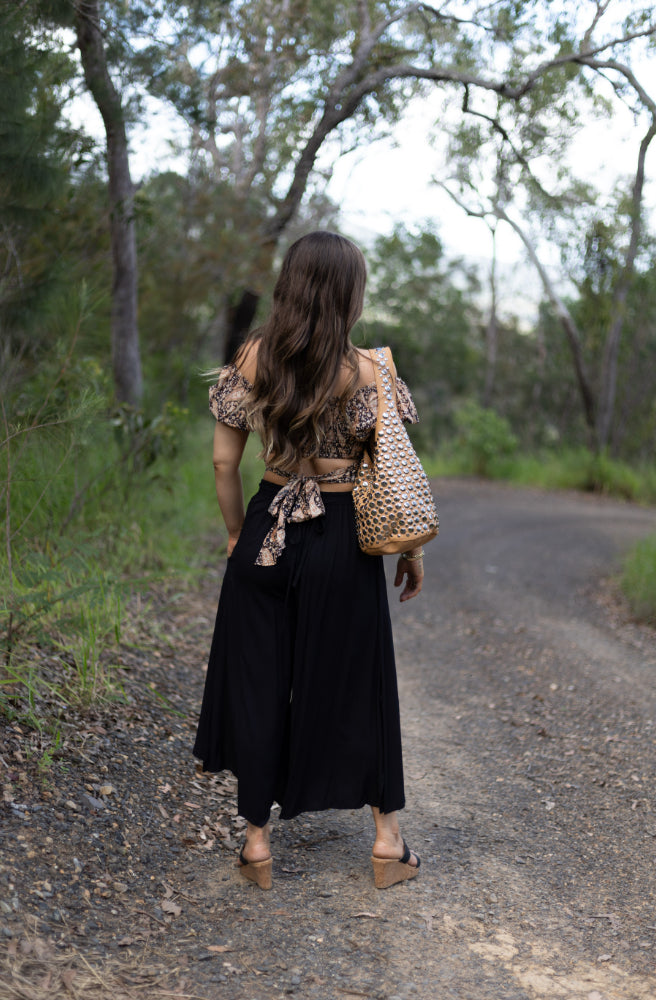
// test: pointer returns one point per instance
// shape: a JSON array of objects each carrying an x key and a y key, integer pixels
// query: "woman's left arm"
[{"x": 229, "y": 444}]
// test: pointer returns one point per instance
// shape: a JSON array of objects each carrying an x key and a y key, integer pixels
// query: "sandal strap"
[{"x": 407, "y": 854}]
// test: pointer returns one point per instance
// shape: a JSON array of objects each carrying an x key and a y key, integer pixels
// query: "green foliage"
[
  {"x": 563, "y": 469},
  {"x": 634, "y": 427},
  {"x": 32, "y": 164},
  {"x": 581, "y": 469},
  {"x": 95, "y": 503},
  {"x": 420, "y": 304},
  {"x": 195, "y": 249},
  {"x": 483, "y": 437},
  {"x": 102, "y": 526},
  {"x": 36, "y": 150},
  {"x": 603, "y": 475},
  {"x": 63, "y": 601},
  {"x": 508, "y": 164},
  {"x": 46, "y": 232},
  {"x": 198, "y": 251},
  {"x": 639, "y": 580}
]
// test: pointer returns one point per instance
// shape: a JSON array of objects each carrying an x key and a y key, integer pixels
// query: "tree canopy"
[{"x": 268, "y": 96}]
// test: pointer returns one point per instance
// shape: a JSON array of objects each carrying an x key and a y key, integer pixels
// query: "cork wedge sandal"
[
  {"x": 259, "y": 872},
  {"x": 389, "y": 871}
]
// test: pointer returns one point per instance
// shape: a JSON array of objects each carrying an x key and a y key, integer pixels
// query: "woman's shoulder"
[{"x": 367, "y": 374}]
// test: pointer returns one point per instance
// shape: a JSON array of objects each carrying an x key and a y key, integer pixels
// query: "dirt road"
[{"x": 529, "y": 717}]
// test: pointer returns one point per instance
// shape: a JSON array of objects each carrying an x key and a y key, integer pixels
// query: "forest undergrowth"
[{"x": 99, "y": 507}]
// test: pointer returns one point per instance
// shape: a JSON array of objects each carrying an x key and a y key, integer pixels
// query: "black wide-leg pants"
[{"x": 300, "y": 698}]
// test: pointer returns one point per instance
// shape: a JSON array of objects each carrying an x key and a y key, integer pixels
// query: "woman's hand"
[
  {"x": 232, "y": 541},
  {"x": 413, "y": 571}
]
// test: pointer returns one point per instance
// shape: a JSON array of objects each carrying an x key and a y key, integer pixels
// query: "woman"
[{"x": 300, "y": 700}]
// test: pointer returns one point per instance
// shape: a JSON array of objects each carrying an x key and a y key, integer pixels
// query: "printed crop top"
[{"x": 347, "y": 428}]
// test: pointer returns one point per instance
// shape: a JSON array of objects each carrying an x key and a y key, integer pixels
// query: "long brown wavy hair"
[{"x": 316, "y": 302}]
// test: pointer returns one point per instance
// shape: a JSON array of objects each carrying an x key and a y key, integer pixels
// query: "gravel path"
[{"x": 529, "y": 717}]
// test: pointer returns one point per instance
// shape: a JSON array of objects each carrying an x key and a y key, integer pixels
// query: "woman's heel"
[
  {"x": 260, "y": 872},
  {"x": 389, "y": 871}
]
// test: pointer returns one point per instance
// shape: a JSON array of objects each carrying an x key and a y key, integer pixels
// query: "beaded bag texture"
[{"x": 394, "y": 506}]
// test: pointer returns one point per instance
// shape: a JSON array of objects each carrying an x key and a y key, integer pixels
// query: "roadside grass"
[
  {"x": 638, "y": 580},
  {"x": 571, "y": 469},
  {"x": 89, "y": 521}
]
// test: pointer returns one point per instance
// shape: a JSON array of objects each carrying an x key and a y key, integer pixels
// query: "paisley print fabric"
[
  {"x": 347, "y": 427},
  {"x": 226, "y": 397},
  {"x": 299, "y": 500}
]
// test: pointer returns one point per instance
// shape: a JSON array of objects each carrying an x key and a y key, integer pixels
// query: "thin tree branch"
[
  {"x": 517, "y": 153},
  {"x": 624, "y": 71},
  {"x": 454, "y": 19},
  {"x": 339, "y": 106},
  {"x": 34, "y": 427},
  {"x": 602, "y": 7},
  {"x": 474, "y": 213}
]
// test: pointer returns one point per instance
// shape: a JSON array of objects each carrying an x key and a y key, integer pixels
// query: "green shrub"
[
  {"x": 639, "y": 580},
  {"x": 484, "y": 437},
  {"x": 606, "y": 475},
  {"x": 97, "y": 503}
]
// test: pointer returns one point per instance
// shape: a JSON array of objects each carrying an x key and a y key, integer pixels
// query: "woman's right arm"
[{"x": 229, "y": 444}]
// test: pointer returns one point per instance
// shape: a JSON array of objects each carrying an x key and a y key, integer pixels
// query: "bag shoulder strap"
[
  {"x": 381, "y": 358},
  {"x": 389, "y": 363}
]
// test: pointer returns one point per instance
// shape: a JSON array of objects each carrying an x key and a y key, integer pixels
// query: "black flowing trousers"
[{"x": 300, "y": 698}]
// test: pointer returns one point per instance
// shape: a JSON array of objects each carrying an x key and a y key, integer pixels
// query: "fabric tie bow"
[{"x": 299, "y": 500}]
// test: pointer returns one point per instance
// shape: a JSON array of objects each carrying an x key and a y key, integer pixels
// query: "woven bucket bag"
[{"x": 394, "y": 506}]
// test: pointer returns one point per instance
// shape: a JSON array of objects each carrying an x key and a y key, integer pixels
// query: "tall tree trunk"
[
  {"x": 126, "y": 359},
  {"x": 612, "y": 345},
  {"x": 492, "y": 328},
  {"x": 240, "y": 318}
]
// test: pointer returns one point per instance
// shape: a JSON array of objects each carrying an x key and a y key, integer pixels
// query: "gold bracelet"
[{"x": 406, "y": 555}]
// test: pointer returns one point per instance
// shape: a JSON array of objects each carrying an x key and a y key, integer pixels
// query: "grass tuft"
[
  {"x": 95, "y": 511},
  {"x": 639, "y": 580}
]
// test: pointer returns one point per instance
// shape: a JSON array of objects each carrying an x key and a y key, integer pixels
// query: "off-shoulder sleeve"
[
  {"x": 362, "y": 408},
  {"x": 405, "y": 403},
  {"x": 226, "y": 398}
]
